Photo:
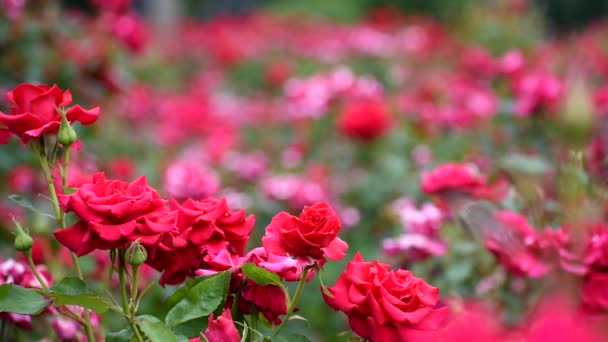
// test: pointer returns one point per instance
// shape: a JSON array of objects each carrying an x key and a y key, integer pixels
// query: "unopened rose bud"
[
  {"x": 66, "y": 136},
  {"x": 136, "y": 254},
  {"x": 23, "y": 242},
  {"x": 576, "y": 118}
]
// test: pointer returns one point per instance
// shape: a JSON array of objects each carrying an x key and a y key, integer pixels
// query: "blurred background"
[{"x": 260, "y": 102}]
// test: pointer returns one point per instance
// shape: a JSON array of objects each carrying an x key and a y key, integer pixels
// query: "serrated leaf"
[
  {"x": 260, "y": 276},
  {"x": 200, "y": 300},
  {"x": 155, "y": 330},
  {"x": 25, "y": 203},
  {"x": 17, "y": 299},
  {"x": 73, "y": 291}
]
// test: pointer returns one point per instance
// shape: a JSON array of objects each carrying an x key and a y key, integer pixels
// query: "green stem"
[
  {"x": 134, "y": 284},
  {"x": 53, "y": 194},
  {"x": 126, "y": 306},
  {"x": 64, "y": 168},
  {"x": 59, "y": 215},
  {"x": 294, "y": 301},
  {"x": 37, "y": 274}
]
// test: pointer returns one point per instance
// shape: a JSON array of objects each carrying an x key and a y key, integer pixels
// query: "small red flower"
[
  {"x": 35, "y": 111},
  {"x": 364, "y": 119},
  {"x": 312, "y": 234}
]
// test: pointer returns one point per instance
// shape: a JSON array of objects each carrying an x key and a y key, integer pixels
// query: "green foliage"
[
  {"x": 20, "y": 300},
  {"x": 155, "y": 330},
  {"x": 200, "y": 300},
  {"x": 260, "y": 276},
  {"x": 73, "y": 291}
]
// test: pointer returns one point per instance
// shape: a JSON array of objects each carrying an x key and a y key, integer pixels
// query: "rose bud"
[
  {"x": 23, "y": 242},
  {"x": 66, "y": 136},
  {"x": 136, "y": 254}
]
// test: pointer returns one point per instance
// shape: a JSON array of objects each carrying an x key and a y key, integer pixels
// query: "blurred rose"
[
  {"x": 364, "y": 119},
  {"x": 187, "y": 179}
]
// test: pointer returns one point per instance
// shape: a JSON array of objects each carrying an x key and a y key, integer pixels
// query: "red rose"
[
  {"x": 270, "y": 300},
  {"x": 594, "y": 294},
  {"x": 112, "y": 214},
  {"x": 452, "y": 176},
  {"x": 207, "y": 235},
  {"x": 34, "y": 111},
  {"x": 312, "y": 234},
  {"x": 222, "y": 329},
  {"x": 384, "y": 305},
  {"x": 364, "y": 119}
]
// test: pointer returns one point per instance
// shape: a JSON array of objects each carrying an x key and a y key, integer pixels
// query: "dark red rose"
[
  {"x": 208, "y": 236},
  {"x": 34, "y": 111},
  {"x": 384, "y": 305},
  {"x": 364, "y": 119},
  {"x": 594, "y": 294},
  {"x": 112, "y": 213},
  {"x": 312, "y": 234},
  {"x": 270, "y": 300},
  {"x": 222, "y": 329}
]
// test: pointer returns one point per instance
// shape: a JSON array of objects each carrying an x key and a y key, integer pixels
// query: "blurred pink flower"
[{"x": 187, "y": 179}]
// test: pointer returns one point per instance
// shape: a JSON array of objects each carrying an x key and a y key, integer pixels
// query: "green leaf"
[
  {"x": 181, "y": 292},
  {"x": 124, "y": 335},
  {"x": 155, "y": 330},
  {"x": 74, "y": 291},
  {"x": 25, "y": 203},
  {"x": 191, "y": 328},
  {"x": 525, "y": 164},
  {"x": 20, "y": 300},
  {"x": 200, "y": 300},
  {"x": 261, "y": 276}
]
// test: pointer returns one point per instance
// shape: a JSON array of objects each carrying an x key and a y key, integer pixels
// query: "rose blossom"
[
  {"x": 270, "y": 300},
  {"x": 312, "y": 234},
  {"x": 517, "y": 246},
  {"x": 112, "y": 214},
  {"x": 452, "y": 176},
  {"x": 222, "y": 329},
  {"x": 385, "y": 305},
  {"x": 35, "y": 112},
  {"x": 187, "y": 179},
  {"x": 364, "y": 119},
  {"x": 285, "y": 267},
  {"x": 206, "y": 235}
]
